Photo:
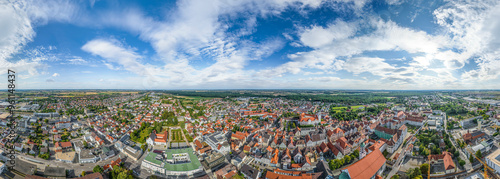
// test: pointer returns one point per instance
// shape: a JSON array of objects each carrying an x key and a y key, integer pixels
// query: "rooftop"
[
  {"x": 55, "y": 172},
  {"x": 194, "y": 164},
  {"x": 367, "y": 166},
  {"x": 25, "y": 167},
  {"x": 86, "y": 154},
  {"x": 495, "y": 157}
]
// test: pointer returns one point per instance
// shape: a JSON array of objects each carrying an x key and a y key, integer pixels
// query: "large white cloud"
[
  {"x": 197, "y": 29},
  {"x": 475, "y": 30},
  {"x": 17, "y": 20}
]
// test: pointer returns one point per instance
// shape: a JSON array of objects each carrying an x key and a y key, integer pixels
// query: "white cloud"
[
  {"x": 16, "y": 28},
  {"x": 17, "y": 19},
  {"x": 56, "y": 75},
  {"x": 114, "y": 52},
  {"x": 318, "y": 36},
  {"x": 475, "y": 30},
  {"x": 76, "y": 61},
  {"x": 375, "y": 66},
  {"x": 330, "y": 45}
]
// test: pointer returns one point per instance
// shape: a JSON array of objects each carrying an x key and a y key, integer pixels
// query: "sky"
[{"x": 251, "y": 44}]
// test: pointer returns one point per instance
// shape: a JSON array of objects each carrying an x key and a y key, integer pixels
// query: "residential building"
[
  {"x": 370, "y": 166},
  {"x": 445, "y": 160},
  {"x": 86, "y": 156}
]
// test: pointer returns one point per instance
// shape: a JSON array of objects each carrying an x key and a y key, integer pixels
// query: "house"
[
  {"x": 60, "y": 146},
  {"x": 335, "y": 151},
  {"x": 415, "y": 120},
  {"x": 18, "y": 147},
  {"x": 392, "y": 137},
  {"x": 343, "y": 146},
  {"x": 286, "y": 159},
  {"x": 44, "y": 150},
  {"x": 113, "y": 163},
  {"x": 78, "y": 146},
  {"x": 335, "y": 134},
  {"x": 57, "y": 137},
  {"x": 157, "y": 139},
  {"x": 33, "y": 149},
  {"x": 307, "y": 119},
  {"x": 86, "y": 156},
  {"x": 370, "y": 166},
  {"x": 297, "y": 155},
  {"x": 107, "y": 153},
  {"x": 445, "y": 160},
  {"x": 279, "y": 174},
  {"x": 63, "y": 125},
  {"x": 469, "y": 137},
  {"x": 378, "y": 145}
]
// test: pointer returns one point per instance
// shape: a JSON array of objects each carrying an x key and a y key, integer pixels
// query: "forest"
[
  {"x": 450, "y": 108},
  {"x": 333, "y": 96}
]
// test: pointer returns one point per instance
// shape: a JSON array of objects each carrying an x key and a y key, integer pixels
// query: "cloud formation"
[{"x": 221, "y": 44}]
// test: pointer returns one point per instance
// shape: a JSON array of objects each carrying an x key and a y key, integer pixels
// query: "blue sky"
[{"x": 251, "y": 44}]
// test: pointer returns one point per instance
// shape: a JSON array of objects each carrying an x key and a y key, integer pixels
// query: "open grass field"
[
  {"x": 193, "y": 97},
  {"x": 339, "y": 108},
  {"x": 37, "y": 97}
]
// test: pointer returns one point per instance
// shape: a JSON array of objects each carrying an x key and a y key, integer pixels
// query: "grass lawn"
[
  {"x": 239, "y": 176},
  {"x": 193, "y": 97},
  {"x": 339, "y": 108}
]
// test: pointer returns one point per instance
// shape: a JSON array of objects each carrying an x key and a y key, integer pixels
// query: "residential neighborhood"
[{"x": 158, "y": 134}]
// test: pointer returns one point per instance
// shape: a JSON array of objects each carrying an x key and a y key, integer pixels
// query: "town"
[{"x": 252, "y": 134}]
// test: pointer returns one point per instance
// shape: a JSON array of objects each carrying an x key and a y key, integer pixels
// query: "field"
[
  {"x": 177, "y": 135},
  {"x": 193, "y": 97},
  {"x": 337, "y": 109}
]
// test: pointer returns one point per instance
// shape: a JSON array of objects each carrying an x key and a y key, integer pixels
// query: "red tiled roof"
[
  {"x": 368, "y": 166},
  {"x": 286, "y": 175}
]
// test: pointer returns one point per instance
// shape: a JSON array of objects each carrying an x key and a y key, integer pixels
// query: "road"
[
  {"x": 463, "y": 156},
  {"x": 397, "y": 164},
  {"x": 77, "y": 167}
]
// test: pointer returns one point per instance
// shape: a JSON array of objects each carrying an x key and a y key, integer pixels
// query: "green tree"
[
  {"x": 356, "y": 153},
  {"x": 122, "y": 175},
  {"x": 461, "y": 162},
  {"x": 424, "y": 168},
  {"x": 347, "y": 159},
  {"x": 98, "y": 169},
  {"x": 471, "y": 158},
  {"x": 478, "y": 154},
  {"x": 396, "y": 176},
  {"x": 415, "y": 172}
]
